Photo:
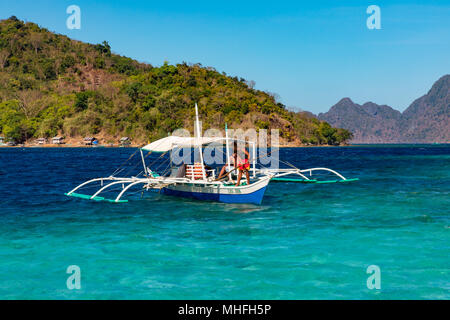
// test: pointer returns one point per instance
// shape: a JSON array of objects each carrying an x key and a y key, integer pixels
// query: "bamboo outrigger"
[{"x": 196, "y": 181}]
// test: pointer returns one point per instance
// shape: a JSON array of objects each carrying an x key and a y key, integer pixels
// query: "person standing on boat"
[
  {"x": 232, "y": 161},
  {"x": 243, "y": 165}
]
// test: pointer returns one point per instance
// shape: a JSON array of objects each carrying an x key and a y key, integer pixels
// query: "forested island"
[{"x": 52, "y": 85}]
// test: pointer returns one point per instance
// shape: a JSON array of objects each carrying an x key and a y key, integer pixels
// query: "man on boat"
[
  {"x": 243, "y": 165},
  {"x": 243, "y": 168}
]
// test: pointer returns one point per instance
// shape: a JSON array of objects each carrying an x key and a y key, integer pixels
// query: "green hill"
[{"x": 51, "y": 84}]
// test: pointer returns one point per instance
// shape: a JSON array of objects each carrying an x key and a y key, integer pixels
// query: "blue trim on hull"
[{"x": 254, "y": 197}]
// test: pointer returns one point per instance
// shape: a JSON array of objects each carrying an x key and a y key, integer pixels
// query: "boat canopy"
[{"x": 173, "y": 142}]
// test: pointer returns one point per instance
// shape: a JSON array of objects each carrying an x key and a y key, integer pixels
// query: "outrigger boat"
[{"x": 195, "y": 180}]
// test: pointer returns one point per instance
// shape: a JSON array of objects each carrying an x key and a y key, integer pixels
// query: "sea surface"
[{"x": 303, "y": 242}]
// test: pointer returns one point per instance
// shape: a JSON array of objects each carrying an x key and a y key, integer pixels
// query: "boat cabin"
[
  {"x": 198, "y": 171},
  {"x": 58, "y": 140}
]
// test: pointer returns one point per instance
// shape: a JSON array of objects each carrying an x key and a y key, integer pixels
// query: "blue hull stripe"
[{"x": 254, "y": 197}]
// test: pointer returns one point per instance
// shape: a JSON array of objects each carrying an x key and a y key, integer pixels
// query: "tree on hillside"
[
  {"x": 36, "y": 41},
  {"x": 29, "y": 102},
  {"x": 4, "y": 55},
  {"x": 13, "y": 122}
]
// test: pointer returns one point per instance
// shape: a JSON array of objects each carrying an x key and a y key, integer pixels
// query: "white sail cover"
[{"x": 173, "y": 142}]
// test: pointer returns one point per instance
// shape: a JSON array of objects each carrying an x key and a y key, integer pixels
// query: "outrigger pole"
[{"x": 143, "y": 161}]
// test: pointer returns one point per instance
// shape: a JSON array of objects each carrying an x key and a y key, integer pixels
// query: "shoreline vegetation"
[
  {"x": 51, "y": 85},
  {"x": 139, "y": 146},
  {"x": 102, "y": 143},
  {"x": 280, "y": 146}
]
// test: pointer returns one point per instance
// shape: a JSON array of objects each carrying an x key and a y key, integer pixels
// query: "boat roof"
[{"x": 174, "y": 142}]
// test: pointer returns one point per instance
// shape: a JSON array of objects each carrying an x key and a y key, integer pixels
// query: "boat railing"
[{"x": 284, "y": 172}]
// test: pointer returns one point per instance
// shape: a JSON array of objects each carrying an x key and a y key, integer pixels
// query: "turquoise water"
[{"x": 303, "y": 242}]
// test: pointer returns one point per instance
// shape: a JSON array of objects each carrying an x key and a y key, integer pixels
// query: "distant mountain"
[
  {"x": 369, "y": 123},
  {"x": 426, "y": 120}
]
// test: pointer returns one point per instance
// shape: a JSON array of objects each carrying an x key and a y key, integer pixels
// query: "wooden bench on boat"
[{"x": 195, "y": 171}]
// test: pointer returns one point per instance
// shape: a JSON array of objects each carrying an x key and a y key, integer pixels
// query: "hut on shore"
[
  {"x": 2, "y": 140},
  {"x": 125, "y": 142},
  {"x": 41, "y": 141},
  {"x": 89, "y": 141},
  {"x": 58, "y": 140}
]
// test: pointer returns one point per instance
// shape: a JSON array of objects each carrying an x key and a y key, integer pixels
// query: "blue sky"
[{"x": 311, "y": 53}]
